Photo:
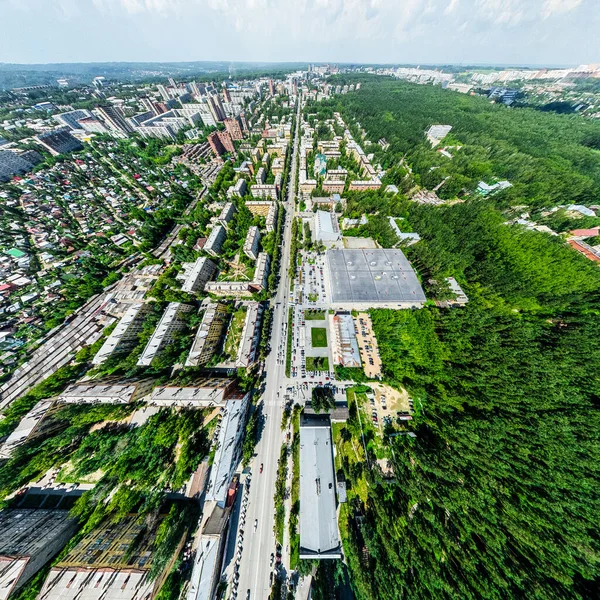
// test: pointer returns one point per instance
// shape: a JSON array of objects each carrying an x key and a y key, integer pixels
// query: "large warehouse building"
[
  {"x": 372, "y": 278},
  {"x": 319, "y": 536}
]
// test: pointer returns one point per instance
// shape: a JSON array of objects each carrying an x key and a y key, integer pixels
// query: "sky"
[{"x": 532, "y": 32}]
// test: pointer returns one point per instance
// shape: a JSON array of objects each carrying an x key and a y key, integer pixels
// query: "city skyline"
[{"x": 492, "y": 32}]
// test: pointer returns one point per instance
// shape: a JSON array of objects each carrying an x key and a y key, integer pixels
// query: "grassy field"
[
  {"x": 317, "y": 363},
  {"x": 314, "y": 315},
  {"x": 318, "y": 336},
  {"x": 234, "y": 333}
]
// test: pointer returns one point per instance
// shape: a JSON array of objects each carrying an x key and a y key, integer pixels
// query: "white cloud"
[{"x": 557, "y": 7}]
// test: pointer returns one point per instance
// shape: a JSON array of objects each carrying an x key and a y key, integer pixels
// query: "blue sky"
[{"x": 393, "y": 31}]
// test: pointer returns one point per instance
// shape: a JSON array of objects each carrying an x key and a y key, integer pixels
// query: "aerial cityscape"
[{"x": 274, "y": 329}]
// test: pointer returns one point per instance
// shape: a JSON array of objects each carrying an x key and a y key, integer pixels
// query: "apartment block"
[
  {"x": 124, "y": 336},
  {"x": 114, "y": 561},
  {"x": 197, "y": 274},
  {"x": 239, "y": 189},
  {"x": 215, "y": 240},
  {"x": 248, "y": 349},
  {"x": 209, "y": 335},
  {"x": 227, "y": 214},
  {"x": 171, "y": 322},
  {"x": 204, "y": 393},
  {"x": 264, "y": 191},
  {"x": 107, "y": 391},
  {"x": 29, "y": 539},
  {"x": 233, "y": 128},
  {"x": 252, "y": 242}
]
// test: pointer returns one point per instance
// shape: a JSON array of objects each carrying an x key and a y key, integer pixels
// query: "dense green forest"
[
  {"x": 498, "y": 495},
  {"x": 549, "y": 158}
]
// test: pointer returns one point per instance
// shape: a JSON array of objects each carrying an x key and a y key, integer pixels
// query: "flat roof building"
[
  {"x": 252, "y": 242},
  {"x": 345, "y": 346},
  {"x": 124, "y": 336},
  {"x": 319, "y": 536},
  {"x": 209, "y": 335},
  {"x": 215, "y": 240},
  {"x": 248, "y": 348},
  {"x": 244, "y": 289},
  {"x": 204, "y": 393},
  {"x": 239, "y": 189},
  {"x": 38, "y": 422},
  {"x": 112, "y": 562},
  {"x": 197, "y": 274},
  {"x": 171, "y": 322},
  {"x": 228, "y": 449},
  {"x": 107, "y": 391},
  {"x": 227, "y": 214},
  {"x": 326, "y": 226},
  {"x": 361, "y": 279},
  {"x": 59, "y": 141},
  {"x": 29, "y": 538}
]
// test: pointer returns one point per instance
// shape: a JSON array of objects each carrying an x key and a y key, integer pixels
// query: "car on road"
[
  {"x": 272, "y": 559},
  {"x": 255, "y": 524},
  {"x": 261, "y": 467}
]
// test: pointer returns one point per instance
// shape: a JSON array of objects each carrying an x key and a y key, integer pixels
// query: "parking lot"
[
  {"x": 311, "y": 280},
  {"x": 367, "y": 344},
  {"x": 387, "y": 405}
]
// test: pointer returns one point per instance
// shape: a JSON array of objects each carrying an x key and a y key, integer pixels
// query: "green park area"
[
  {"x": 318, "y": 336},
  {"x": 317, "y": 363},
  {"x": 234, "y": 333},
  {"x": 314, "y": 315}
]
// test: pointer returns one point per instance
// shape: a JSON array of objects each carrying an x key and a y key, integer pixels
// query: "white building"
[
  {"x": 215, "y": 240},
  {"x": 197, "y": 274},
  {"x": 252, "y": 242},
  {"x": 326, "y": 226}
]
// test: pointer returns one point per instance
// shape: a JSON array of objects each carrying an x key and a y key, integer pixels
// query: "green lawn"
[
  {"x": 234, "y": 333},
  {"x": 319, "y": 363},
  {"x": 318, "y": 336},
  {"x": 314, "y": 315}
]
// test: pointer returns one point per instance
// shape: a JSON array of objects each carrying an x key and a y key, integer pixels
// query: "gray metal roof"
[
  {"x": 319, "y": 535},
  {"x": 372, "y": 275}
]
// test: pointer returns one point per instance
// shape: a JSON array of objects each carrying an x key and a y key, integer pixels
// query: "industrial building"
[
  {"x": 361, "y": 279},
  {"x": 209, "y": 335},
  {"x": 318, "y": 527},
  {"x": 124, "y": 336},
  {"x": 204, "y": 393},
  {"x": 171, "y": 322},
  {"x": 107, "y": 391},
  {"x": 197, "y": 274},
  {"x": 215, "y": 240},
  {"x": 112, "y": 562},
  {"x": 29, "y": 538}
]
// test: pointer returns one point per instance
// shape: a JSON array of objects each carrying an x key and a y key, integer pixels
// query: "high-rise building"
[
  {"x": 162, "y": 90},
  {"x": 215, "y": 144},
  {"x": 226, "y": 141},
  {"x": 221, "y": 142},
  {"x": 114, "y": 118},
  {"x": 243, "y": 122},
  {"x": 149, "y": 105},
  {"x": 226, "y": 95},
  {"x": 233, "y": 129},
  {"x": 271, "y": 87}
]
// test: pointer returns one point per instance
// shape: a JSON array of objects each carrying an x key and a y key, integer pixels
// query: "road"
[{"x": 258, "y": 545}]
